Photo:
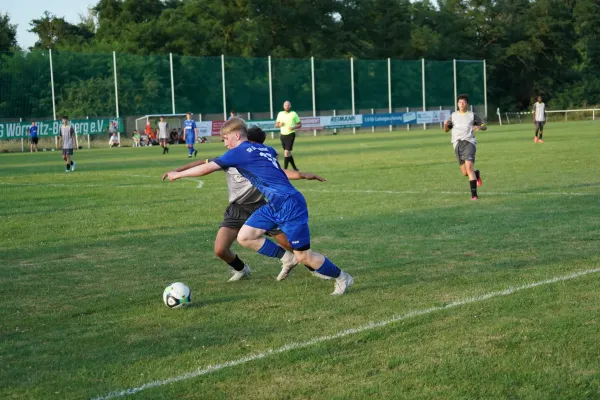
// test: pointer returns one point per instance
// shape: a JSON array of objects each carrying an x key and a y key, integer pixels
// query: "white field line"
[
  {"x": 393, "y": 192},
  {"x": 200, "y": 184},
  {"x": 352, "y": 331}
]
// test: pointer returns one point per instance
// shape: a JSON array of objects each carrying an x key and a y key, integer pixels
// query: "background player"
[
  {"x": 286, "y": 206},
  {"x": 288, "y": 121},
  {"x": 244, "y": 199},
  {"x": 463, "y": 123},
  {"x": 33, "y": 138},
  {"x": 66, "y": 138},
  {"x": 190, "y": 133},
  {"x": 163, "y": 134},
  {"x": 539, "y": 119}
]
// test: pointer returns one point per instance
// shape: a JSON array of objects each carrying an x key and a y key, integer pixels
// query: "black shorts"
[
  {"x": 236, "y": 215},
  {"x": 465, "y": 151},
  {"x": 539, "y": 125},
  {"x": 287, "y": 141},
  {"x": 34, "y": 140},
  {"x": 67, "y": 152}
]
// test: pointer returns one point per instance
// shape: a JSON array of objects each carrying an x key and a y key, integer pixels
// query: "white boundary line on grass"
[
  {"x": 200, "y": 184},
  {"x": 367, "y": 191},
  {"x": 352, "y": 331}
]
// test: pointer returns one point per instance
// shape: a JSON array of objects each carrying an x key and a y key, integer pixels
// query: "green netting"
[
  {"x": 144, "y": 84},
  {"x": 407, "y": 86},
  {"x": 291, "y": 81},
  {"x": 198, "y": 84},
  {"x": 25, "y": 88},
  {"x": 333, "y": 85},
  {"x": 469, "y": 80},
  {"x": 84, "y": 84},
  {"x": 439, "y": 83},
  {"x": 371, "y": 84},
  {"x": 247, "y": 84}
]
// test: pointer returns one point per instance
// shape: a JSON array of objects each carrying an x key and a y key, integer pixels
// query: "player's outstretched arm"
[
  {"x": 296, "y": 175},
  {"x": 200, "y": 170},
  {"x": 186, "y": 166}
]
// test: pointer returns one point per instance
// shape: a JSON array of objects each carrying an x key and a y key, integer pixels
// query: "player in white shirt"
[{"x": 539, "y": 119}]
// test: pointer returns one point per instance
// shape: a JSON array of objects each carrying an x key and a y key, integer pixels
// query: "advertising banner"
[
  {"x": 342, "y": 121},
  {"x": 204, "y": 128},
  {"x": 92, "y": 126}
]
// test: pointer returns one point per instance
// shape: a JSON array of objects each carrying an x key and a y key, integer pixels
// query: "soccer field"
[{"x": 453, "y": 299}]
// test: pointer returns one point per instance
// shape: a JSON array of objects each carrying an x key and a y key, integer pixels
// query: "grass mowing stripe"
[{"x": 371, "y": 325}]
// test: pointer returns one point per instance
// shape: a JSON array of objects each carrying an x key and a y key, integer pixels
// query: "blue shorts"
[
  {"x": 291, "y": 218},
  {"x": 189, "y": 138}
]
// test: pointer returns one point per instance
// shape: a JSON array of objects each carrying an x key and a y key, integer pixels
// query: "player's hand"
[
  {"x": 311, "y": 177},
  {"x": 165, "y": 175},
  {"x": 173, "y": 176},
  {"x": 475, "y": 128}
]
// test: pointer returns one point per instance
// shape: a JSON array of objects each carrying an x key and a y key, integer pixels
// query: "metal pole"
[
  {"x": 390, "y": 90},
  {"x": 455, "y": 89},
  {"x": 408, "y": 125},
  {"x": 334, "y": 129},
  {"x": 88, "y": 135},
  {"x": 352, "y": 83},
  {"x": 223, "y": 79},
  {"x": 593, "y": 115},
  {"x": 53, "y": 99},
  {"x": 423, "y": 85},
  {"x": 312, "y": 77},
  {"x": 270, "y": 88},
  {"x": 249, "y": 116},
  {"x": 373, "y": 127},
  {"x": 485, "y": 89},
  {"x": 441, "y": 123},
  {"x": 116, "y": 86},
  {"x": 172, "y": 82},
  {"x": 22, "y": 144}
]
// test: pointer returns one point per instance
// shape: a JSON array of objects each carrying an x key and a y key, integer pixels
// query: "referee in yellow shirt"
[{"x": 288, "y": 121}]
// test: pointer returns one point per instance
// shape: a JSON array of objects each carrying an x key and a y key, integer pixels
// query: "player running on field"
[
  {"x": 190, "y": 132},
  {"x": 539, "y": 119},
  {"x": 463, "y": 124},
  {"x": 163, "y": 134},
  {"x": 244, "y": 199},
  {"x": 286, "y": 207}
]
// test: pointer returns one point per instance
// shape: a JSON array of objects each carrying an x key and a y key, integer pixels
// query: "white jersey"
[
  {"x": 463, "y": 126},
  {"x": 539, "y": 110},
  {"x": 163, "y": 130}
]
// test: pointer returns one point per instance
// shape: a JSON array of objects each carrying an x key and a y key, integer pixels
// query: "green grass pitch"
[{"x": 85, "y": 256}]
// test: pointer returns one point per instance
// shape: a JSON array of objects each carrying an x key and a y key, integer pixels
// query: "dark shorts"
[
  {"x": 67, "y": 152},
  {"x": 163, "y": 140},
  {"x": 465, "y": 151},
  {"x": 287, "y": 141},
  {"x": 236, "y": 215},
  {"x": 539, "y": 125},
  {"x": 34, "y": 140}
]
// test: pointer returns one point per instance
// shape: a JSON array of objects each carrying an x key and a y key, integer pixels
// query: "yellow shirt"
[{"x": 289, "y": 119}]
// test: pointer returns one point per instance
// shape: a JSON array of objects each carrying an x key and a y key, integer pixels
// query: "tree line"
[{"x": 543, "y": 47}]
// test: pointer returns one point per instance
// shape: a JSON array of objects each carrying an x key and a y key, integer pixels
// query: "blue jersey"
[
  {"x": 33, "y": 131},
  {"x": 189, "y": 127},
  {"x": 258, "y": 164}
]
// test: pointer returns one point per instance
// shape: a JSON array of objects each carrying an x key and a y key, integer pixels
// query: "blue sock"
[
  {"x": 191, "y": 150},
  {"x": 329, "y": 269},
  {"x": 270, "y": 249}
]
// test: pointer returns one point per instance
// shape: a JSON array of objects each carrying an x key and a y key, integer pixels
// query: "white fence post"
[
  {"x": 53, "y": 99},
  {"x": 485, "y": 89},
  {"x": 352, "y": 82},
  {"x": 312, "y": 77},
  {"x": 390, "y": 89},
  {"x": 373, "y": 127},
  {"x": 88, "y": 135},
  {"x": 334, "y": 129},
  {"x": 22, "y": 144},
  {"x": 441, "y": 123},
  {"x": 455, "y": 88},
  {"x": 116, "y": 91},
  {"x": 223, "y": 79},
  {"x": 270, "y": 89},
  {"x": 423, "y": 85},
  {"x": 172, "y": 82},
  {"x": 407, "y": 125}
]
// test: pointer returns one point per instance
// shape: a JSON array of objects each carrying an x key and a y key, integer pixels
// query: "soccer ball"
[{"x": 177, "y": 295}]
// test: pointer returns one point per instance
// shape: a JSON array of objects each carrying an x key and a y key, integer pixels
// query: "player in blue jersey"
[
  {"x": 286, "y": 206},
  {"x": 33, "y": 137},
  {"x": 190, "y": 134}
]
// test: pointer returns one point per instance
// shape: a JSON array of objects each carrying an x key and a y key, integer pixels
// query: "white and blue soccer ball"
[{"x": 177, "y": 295}]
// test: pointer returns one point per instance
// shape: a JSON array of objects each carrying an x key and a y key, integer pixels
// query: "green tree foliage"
[{"x": 547, "y": 47}]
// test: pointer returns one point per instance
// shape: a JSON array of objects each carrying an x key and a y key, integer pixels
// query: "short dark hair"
[
  {"x": 464, "y": 97},
  {"x": 232, "y": 112},
  {"x": 64, "y": 117},
  {"x": 257, "y": 135}
]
